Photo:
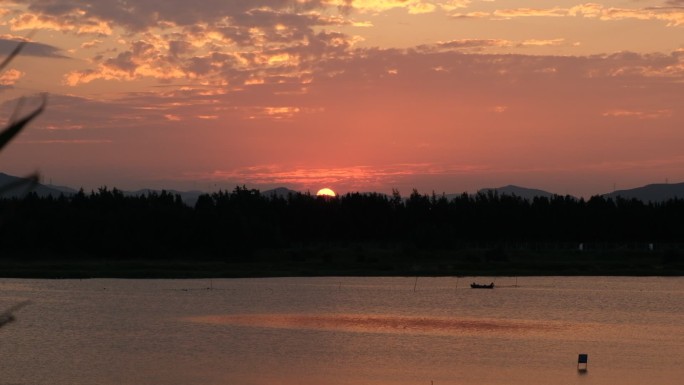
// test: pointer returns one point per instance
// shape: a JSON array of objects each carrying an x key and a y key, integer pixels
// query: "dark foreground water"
[{"x": 301, "y": 331}]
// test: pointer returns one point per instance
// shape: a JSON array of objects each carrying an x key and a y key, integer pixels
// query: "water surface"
[{"x": 333, "y": 331}]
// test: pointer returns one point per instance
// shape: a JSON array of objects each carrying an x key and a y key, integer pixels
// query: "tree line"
[{"x": 234, "y": 224}]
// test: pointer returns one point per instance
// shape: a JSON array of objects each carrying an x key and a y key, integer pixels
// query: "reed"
[{"x": 14, "y": 126}]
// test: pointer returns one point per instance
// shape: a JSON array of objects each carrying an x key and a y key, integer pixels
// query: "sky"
[{"x": 447, "y": 96}]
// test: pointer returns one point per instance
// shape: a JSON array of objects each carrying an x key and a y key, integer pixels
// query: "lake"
[{"x": 306, "y": 331}]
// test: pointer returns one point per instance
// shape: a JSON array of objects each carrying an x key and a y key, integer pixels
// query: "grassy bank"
[{"x": 358, "y": 261}]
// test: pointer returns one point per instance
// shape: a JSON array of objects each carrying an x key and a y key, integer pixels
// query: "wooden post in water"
[
  {"x": 582, "y": 362},
  {"x": 415, "y": 284}
]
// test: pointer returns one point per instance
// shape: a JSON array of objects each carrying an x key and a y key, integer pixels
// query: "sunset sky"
[{"x": 448, "y": 96}]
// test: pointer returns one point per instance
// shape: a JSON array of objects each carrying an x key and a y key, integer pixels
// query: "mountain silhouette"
[
  {"x": 650, "y": 193},
  {"x": 522, "y": 192},
  {"x": 24, "y": 186},
  {"x": 659, "y": 192},
  {"x": 280, "y": 192}
]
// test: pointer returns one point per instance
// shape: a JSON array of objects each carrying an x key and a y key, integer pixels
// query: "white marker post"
[{"x": 583, "y": 362}]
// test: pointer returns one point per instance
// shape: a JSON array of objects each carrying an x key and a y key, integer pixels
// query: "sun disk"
[{"x": 326, "y": 192}]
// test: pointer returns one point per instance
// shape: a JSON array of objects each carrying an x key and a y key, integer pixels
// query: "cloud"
[
  {"x": 232, "y": 43},
  {"x": 479, "y": 45},
  {"x": 411, "y": 6},
  {"x": 471, "y": 15},
  {"x": 101, "y": 17},
  {"x": 92, "y": 114},
  {"x": 541, "y": 43},
  {"x": 530, "y": 12},
  {"x": 655, "y": 66},
  {"x": 30, "y": 49},
  {"x": 219, "y": 42},
  {"x": 443, "y": 70},
  {"x": 9, "y": 77},
  {"x": 73, "y": 23},
  {"x": 673, "y": 16},
  {"x": 67, "y": 141},
  {"x": 471, "y": 43},
  {"x": 173, "y": 118},
  {"x": 273, "y": 113},
  {"x": 166, "y": 58},
  {"x": 639, "y": 114},
  {"x": 91, "y": 44},
  {"x": 352, "y": 177}
]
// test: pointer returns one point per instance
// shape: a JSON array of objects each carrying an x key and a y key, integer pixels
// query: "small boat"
[{"x": 481, "y": 286}]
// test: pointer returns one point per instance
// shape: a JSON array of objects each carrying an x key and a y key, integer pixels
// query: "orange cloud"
[
  {"x": 173, "y": 118},
  {"x": 476, "y": 45},
  {"x": 267, "y": 54},
  {"x": 353, "y": 176},
  {"x": 274, "y": 113},
  {"x": 639, "y": 114},
  {"x": 67, "y": 141},
  {"x": 530, "y": 12},
  {"x": 65, "y": 127},
  {"x": 471, "y": 15},
  {"x": 411, "y": 6},
  {"x": 10, "y": 77},
  {"x": 74, "y": 23},
  {"x": 377, "y": 6},
  {"x": 542, "y": 43},
  {"x": 673, "y": 16},
  {"x": 91, "y": 44}
]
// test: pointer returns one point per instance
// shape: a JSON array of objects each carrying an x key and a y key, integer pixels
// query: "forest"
[{"x": 358, "y": 233}]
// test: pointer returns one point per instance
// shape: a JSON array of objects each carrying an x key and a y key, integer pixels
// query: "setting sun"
[{"x": 326, "y": 192}]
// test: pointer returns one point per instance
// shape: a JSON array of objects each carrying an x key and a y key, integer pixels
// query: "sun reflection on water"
[{"x": 386, "y": 324}]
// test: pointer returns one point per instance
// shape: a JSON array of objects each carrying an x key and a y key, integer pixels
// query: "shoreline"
[{"x": 330, "y": 263}]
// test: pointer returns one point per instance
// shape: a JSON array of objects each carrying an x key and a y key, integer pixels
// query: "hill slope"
[
  {"x": 522, "y": 192},
  {"x": 659, "y": 192},
  {"x": 22, "y": 186}
]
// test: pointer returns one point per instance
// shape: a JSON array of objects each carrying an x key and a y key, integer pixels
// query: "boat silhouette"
[{"x": 481, "y": 286}]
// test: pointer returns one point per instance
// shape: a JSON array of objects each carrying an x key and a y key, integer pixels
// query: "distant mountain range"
[
  {"x": 649, "y": 193},
  {"x": 659, "y": 192},
  {"x": 21, "y": 186},
  {"x": 17, "y": 186},
  {"x": 522, "y": 192},
  {"x": 280, "y": 192}
]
